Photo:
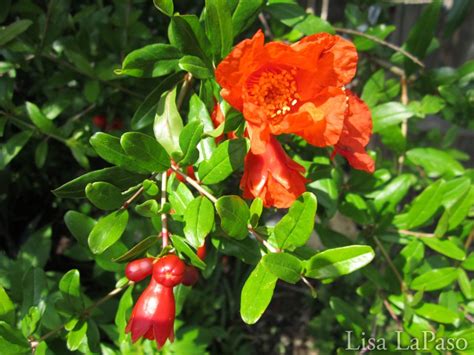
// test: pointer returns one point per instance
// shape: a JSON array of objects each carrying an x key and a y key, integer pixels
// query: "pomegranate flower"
[
  {"x": 272, "y": 176},
  {"x": 283, "y": 88},
  {"x": 153, "y": 315}
]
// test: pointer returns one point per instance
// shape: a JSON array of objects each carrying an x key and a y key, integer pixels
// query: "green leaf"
[
  {"x": 468, "y": 264},
  {"x": 12, "y": 341},
  {"x": 104, "y": 195},
  {"x": 284, "y": 266},
  {"x": 199, "y": 220},
  {"x": 437, "y": 313},
  {"x": 435, "y": 162},
  {"x": 454, "y": 189},
  {"x": 293, "y": 15},
  {"x": 151, "y": 61},
  {"x": 146, "y": 112},
  {"x": 168, "y": 123},
  {"x": 92, "y": 90},
  {"x": 182, "y": 247},
  {"x": 327, "y": 193},
  {"x": 227, "y": 158},
  {"x": 35, "y": 289},
  {"x": 218, "y": 23},
  {"x": 123, "y": 311},
  {"x": 76, "y": 336},
  {"x": 234, "y": 214},
  {"x": 431, "y": 104},
  {"x": 79, "y": 225},
  {"x": 186, "y": 33},
  {"x": 41, "y": 153},
  {"x": 425, "y": 205},
  {"x": 380, "y": 31},
  {"x": 435, "y": 279},
  {"x": 146, "y": 151},
  {"x": 116, "y": 176},
  {"x": 12, "y": 147},
  {"x": 36, "y": 250},
  {"x": 458, "y": 212},
  {"x": 44, "y": 124},
  {"x": 195, "y": 66},
  {"x": 295, "y": 228},
  {"x": 165, "y": 6},
  {"x": 465, "y": 284},
  {"x": 445, "y": 247},
  {"x": 107, "y": 231},
  {"x": 347, "y": 315},
  {"x": 13, "y": 30},
  {"x": 256, "y": 294},
  {"x": 138, "y": 250},
  {"x": 256, "y": 209},
  {"x": 245, "y": 14},
  {"x": 148, "y": 209},
  {"x": 246, "y": 250},
  {"x": 108, "y": 147},
  {"x": 7, "y": 308},
  {"x": 337, "y": 262},
  {"x": 179, "y": 196},
  {"x": 188, "y": 141},
  {"x": 391, "y": 194},
  {"x": 70, "y": 288},
  {"x": 389, "y": 114}
]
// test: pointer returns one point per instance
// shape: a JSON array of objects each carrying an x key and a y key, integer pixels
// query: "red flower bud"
[
  {"x": 138, "y": 269},
  {"x": 169, "y": 270},
  {"x": 99, "y": 121},
  {"x": 202, "y": 252},
  {"x": 191, "y": 276},
  {"x": 153, "y": 315}
]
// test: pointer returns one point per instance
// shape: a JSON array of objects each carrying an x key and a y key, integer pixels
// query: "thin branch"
[
  {"x": 416, "y": 234},
  {"x": 389, "y": 66},
  {"x": 310, "y": 6},
  {"x": 392, "y": 313},
  {"x": 188, "y": 78},
  {"x": 133, "y": 198},
  {"x": 324, "y": 9},
  {"x": 84, "y": 314},
  {"x": 404, "y": 126},
  {"x": 469, "y": 239},
  {"x": 391, "y": 264},
  {"x": 266, "y": 26},
  {"x": 164, "y": 217},
  {"x": 195, "y": 184},
  {"x": 267, "y": 245},
  {"x": 382, "y": 42}
]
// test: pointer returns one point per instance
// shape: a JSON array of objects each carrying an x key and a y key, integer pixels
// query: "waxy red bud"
[
  {"x": 99, "y": 121},
  {"x": 138, "y": 269},
  {"x": 191, "y": 276},
  {"x": 169, "y": 270},
  {"x": 202, "y": 252}
]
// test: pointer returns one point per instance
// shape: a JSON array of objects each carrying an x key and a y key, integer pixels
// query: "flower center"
[{"x": 274, "y": 91}]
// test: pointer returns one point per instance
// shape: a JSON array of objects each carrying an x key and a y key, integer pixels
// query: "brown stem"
[
  {"x": 404, "y": 127},
  {"x": 416, "y": 234},
  {"x": 392, "y": 313},
  {"x": 184, "y": 90},
  {"x": 164, "y": 217},
  {"x": 382, "y": 42},
  {"x": 266, "y": 26},
  {"x": 133, "y": 198},
  {"x": 195, "y": 184},
  {"x": 391, "y": 264}
]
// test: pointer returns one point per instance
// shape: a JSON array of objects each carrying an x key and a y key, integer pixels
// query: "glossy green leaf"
[
  {"x": 7, "y": 308},
  {"x": 218, "y": 23},
  {"x": 246, "y": 250},
  {"x": 199, "y": 220},
  {"x": 13, "y": 30},
  {"x": 151, "y": 61},
  {"x": 337, "y": 262},
  {"x": 108, "y": 147},
  {"x": 168, "y": 123},
  {"x": 188, "y": 141},
  {"x": 295, "y": 228},
  {"x": 79, "y": 225},
  {"x": 425, "y": 205},
  {"x": 148, "y": 209},
  {"x": 435, "y": 279},
  {"x": 445, "y": 247},
  {"x": 165, "y": 6},
  {"x": 179, "y": 196},
  {"x": 104, "y": 195},
  {"x": 228, "y": 157},
  {"x": 182, "y": 247},
  {"x": 12, "y": 147},
  {"x": 437, "y": 313},
  {"x": 195, "y": 66},
  {"x": 389, "y": 114},
  {"x": 468, "y": 264},
  {"x": 12, "y": 341},
  {"x": 454, "y": 189},
  {"x": 116, "y": 176},
  {"x": 347, "y": 315},
  {"x": 465, "y": 284},
  {"x": 107, "y": 231},
  {"x": 434, "y": 161},
  {"x": 284, "y": 266},
  {"x": 43, "y": 123},
  {"x": 391, "y": 194},
  {"x": 234, "y": 214},
  {"x": 41, "y": 154},
  {"x": 293, "y": 15},
  {"x": 124, "y": 309},
  {"x": 70, "y": 288},
  {"x": 256, "y": 294},
  {"x": 35, "y": 289},
  {"x": 457, "y": 213},
  {"x": 256, "y": 209},
  {"x": 244, "y": 14},
  {"x": 76, "y": 336},
  {"x": 146, "y": 151},
  {"x": 145, "y": 114},
  {"x": 138, "y": 250}
]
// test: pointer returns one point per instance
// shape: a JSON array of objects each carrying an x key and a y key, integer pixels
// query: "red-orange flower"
[
  {"x": 283, "y": 88},
  {"x": 356, "y": 134},
  {"x": 272, "y": 176},
  {"x": 217, "y": 117}
]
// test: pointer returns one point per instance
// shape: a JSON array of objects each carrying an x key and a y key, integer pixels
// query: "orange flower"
[
  {"x": 272, "y": 176},
  {"x": 283, "y": 88},
  {"x": 217, "y": 117},
  {"x": 356, "y": 134}
]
